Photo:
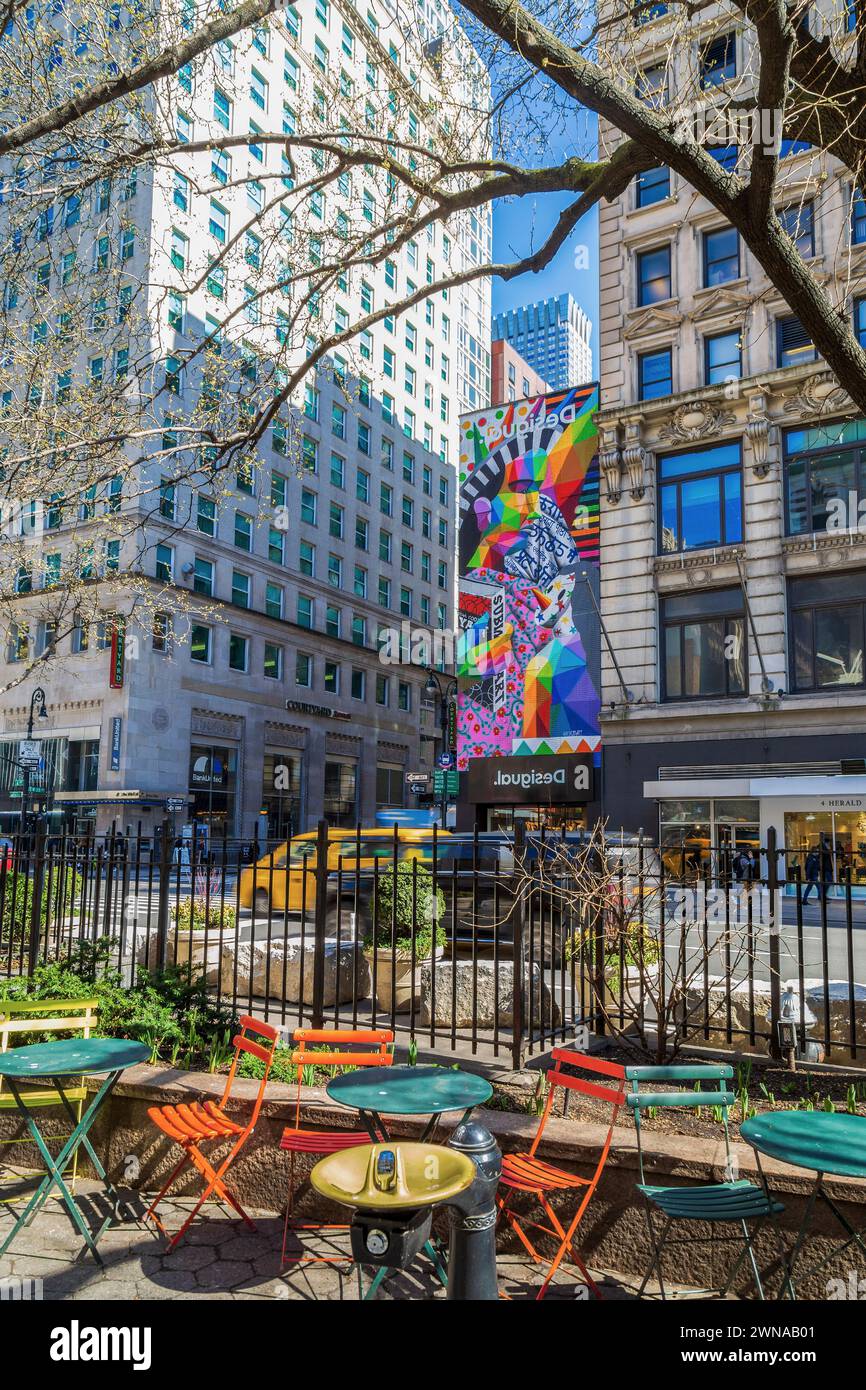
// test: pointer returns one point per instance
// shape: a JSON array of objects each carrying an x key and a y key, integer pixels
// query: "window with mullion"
[
  {"x": 793, "y": 344},
  {"x": 701, "y": 498},
  {"x": 828, "y": 631},
  {"x": 654, "y": 275},
  {"x": 723, "y": 358},
  {"x": 825, "y": 465},
  {"x": 654, "y": 373},
  {"x": 718, "y": 60},
  {"x": 721, "y": 256},
  {"x": 651, "y": 186},
  {"x": 798, "y": 222},
  {"x": 703, "y": 645}
]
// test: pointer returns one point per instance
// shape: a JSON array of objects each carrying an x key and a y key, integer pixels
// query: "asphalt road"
[{"x": 840, "y": 951}]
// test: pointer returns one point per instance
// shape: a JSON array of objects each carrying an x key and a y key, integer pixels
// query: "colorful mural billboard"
[{"x": 529, "y": 497}]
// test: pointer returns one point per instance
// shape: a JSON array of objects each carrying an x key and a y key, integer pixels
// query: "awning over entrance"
[
  {"x": 120, "y": 796},
  {"x": 836, "y": 789}
]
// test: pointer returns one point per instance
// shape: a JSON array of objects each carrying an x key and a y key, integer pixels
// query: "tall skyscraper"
[
  {"x": 255, "y": 692},
  {"x": 553, "y": 336}
]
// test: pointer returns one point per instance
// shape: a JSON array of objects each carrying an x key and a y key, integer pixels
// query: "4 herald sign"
[{"x": 547, "y": 780}]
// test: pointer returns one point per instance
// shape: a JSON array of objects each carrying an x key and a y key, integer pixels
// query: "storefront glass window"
[
  {"x": 341, "y": 793},
  {"x": 704, "y": 836},
  {"x": 839, "y": 841},
  {"x": 213, "y": 787},
  {"x": 561, "y": 820},
  {"x": 281, "y": 794},
  {"x": 389, "y": 785},
  {"x": 685, "y": 835}
]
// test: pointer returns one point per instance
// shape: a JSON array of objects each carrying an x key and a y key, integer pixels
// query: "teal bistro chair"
[{"x": 736, "y": 1202}]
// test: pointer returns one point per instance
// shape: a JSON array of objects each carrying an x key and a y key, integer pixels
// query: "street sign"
[
  {"x": 116, "y": 730},
  {"x": 28, "y": 752},
  {"x": 447, "y": 782},
  {"x": 175, "y": 803},
  {"x": 118, "y": 657},
  {"x": 452, "y": 725},
  {"x": 445, "y": 760},
  {"x": 419, "y": 781}
]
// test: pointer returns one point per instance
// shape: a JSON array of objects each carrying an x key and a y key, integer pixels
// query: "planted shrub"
[
  {"x": 61, "y": 894},
  {"x": 409, "y": 907},
  {"x": 196, "y": 914},
  {"x": 205, "y": 908},
  {"x": 170, "y": 1012}
]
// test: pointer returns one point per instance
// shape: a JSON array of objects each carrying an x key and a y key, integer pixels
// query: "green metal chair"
[{"x": 736, "y": 1201}]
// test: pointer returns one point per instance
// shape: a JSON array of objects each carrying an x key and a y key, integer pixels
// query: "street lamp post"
[
  {"x": 433, "y": 686},
  {"x": 37, "y": 702}
]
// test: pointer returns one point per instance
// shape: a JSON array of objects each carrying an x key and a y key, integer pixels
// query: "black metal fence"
[{"x": 478, "y": 944}]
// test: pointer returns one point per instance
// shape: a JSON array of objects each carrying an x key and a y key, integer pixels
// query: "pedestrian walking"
[{"x": 811, "y": 870}]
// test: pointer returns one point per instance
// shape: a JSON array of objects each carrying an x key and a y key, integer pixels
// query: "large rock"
[
  {"x": 477, "y": 1004},
  {"x": 181, "y": 949},
  {"x": 347, "y": 973},
  {"x": 715, "y": 1008},
  {"x": 741, "y": 1006},
  {"x": 840, "y": 1010}
]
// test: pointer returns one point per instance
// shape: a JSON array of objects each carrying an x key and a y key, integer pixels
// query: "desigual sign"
[{"x": 531, "y": 781}]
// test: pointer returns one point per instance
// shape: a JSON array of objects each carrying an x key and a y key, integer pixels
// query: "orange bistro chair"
[
  {"x": 298, "y": 1140},
  {"x": 523, "y": 1172},
  {"x": 198, "y": 1123}
]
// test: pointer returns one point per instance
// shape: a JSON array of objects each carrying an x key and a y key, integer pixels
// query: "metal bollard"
[{"x": 472, "y": 1217}]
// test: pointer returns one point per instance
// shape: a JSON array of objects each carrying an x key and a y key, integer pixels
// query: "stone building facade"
[
  {"x": 733, "y": 564},
  {"x": 275, "y": 707}
]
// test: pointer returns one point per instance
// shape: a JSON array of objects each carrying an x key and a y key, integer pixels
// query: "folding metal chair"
[
  {"x": 19, "y": 1016},
  {"x": 524, "y": 1172},
  {"x": 731, "y": 1201},
  {"x": 334, "y": 1049},
  {"x": 198, "y": 1123}
]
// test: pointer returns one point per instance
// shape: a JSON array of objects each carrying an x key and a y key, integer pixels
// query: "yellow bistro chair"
[{"x": 61, "y": 1016}]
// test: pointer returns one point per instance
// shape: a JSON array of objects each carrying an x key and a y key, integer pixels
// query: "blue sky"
[{"x": 521, "y": 225}]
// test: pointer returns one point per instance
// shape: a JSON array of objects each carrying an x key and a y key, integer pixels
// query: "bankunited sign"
[{"x": 531, "y": 781}]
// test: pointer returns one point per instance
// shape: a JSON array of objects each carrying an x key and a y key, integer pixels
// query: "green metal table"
[
  {"x": 405, "y": 1090},
  {"x": 56, "y": 1062},
  {"x": 823, "y": 1143}
]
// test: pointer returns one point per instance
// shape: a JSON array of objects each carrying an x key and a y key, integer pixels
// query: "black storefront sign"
[{"x": 549, "y": 779}]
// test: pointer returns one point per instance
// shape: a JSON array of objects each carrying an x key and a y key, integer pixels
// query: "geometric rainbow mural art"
[{"x": 529, "y": 526}]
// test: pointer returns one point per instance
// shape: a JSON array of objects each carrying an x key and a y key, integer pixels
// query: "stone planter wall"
[{"x": 613, "y": 1235}]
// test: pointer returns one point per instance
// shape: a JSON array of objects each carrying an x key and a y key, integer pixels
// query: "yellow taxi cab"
[{"x": 285, "y": 878}]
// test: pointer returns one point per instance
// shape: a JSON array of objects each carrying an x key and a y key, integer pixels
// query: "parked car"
[
  {"x": 284, "y": 879},
  {"x": 7, "y": 852}
]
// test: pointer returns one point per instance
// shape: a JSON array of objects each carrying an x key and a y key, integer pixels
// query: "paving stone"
[
  {"x": 190, "y": 1257},
  {"x": 246, "y": 1247},
  {"x": 176, "y": 1280},
  {"x": 210, "y": 1231},
  {"x": 268, "y": 1265},
  {"x": 109, "y": 1291},
  {"x": 224, "y": 1274},
  {"x": 220, "y": 1259}
]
